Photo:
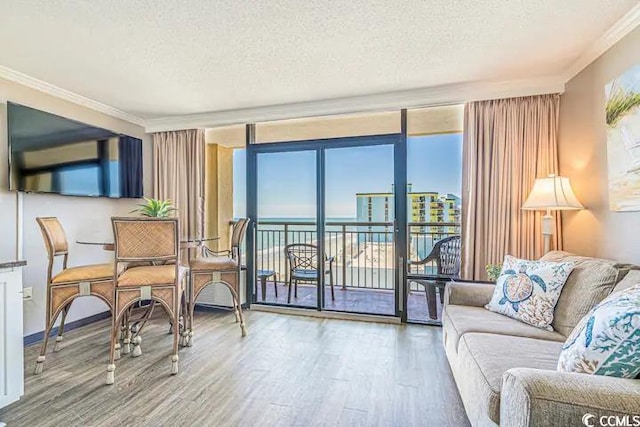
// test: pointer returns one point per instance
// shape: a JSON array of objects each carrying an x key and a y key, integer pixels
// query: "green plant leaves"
[{"x": 155, "y": 208}]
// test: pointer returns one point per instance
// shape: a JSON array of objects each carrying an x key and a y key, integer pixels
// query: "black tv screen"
[{"x": 53, "y": 154}]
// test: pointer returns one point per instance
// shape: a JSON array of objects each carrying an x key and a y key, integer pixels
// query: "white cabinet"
[{"x": 11, "y": 345}]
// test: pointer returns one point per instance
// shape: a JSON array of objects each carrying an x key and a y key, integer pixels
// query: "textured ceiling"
[{"x": 157, "y": 58}]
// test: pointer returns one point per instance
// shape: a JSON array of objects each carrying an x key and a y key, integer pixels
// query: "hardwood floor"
[{"x": 289, "y": 371}]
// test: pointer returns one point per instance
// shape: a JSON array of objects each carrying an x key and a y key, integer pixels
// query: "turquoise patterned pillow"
[
  {"x": 607, "y": 340},
  {"x": 529, "y": 290}
]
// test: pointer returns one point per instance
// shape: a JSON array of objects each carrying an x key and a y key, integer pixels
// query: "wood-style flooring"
[{"x": 289, "y": 371}]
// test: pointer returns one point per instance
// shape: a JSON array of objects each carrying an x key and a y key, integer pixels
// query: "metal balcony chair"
[
  {"x": 303, "y": 267},
  {"x": 446, "y": 256}
]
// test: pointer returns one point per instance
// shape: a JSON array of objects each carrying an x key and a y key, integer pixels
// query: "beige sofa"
[{"x": 505, "y": 370}]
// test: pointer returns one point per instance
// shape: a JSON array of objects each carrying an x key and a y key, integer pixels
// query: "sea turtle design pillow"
[
  {"x": 529, "y": 290},
  {"x": 607, "y": 340}
]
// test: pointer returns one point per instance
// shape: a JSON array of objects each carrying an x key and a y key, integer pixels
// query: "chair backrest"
[
  {"x": 54, "y": 237},
  {"x": 302, "y": 256},
  {"x": 146, "y": 239},
  {"x": 237, "y": 236},
  {"x": 55, "y": 240},
  {"x": 448, "y": 256}
]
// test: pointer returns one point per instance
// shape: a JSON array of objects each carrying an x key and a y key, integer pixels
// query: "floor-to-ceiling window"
[
  {"x": 340, "y": 179},
  {"x": 434, "y": 199}
]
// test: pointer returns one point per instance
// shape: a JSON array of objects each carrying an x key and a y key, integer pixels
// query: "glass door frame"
[{"x": 399, "y": 143}]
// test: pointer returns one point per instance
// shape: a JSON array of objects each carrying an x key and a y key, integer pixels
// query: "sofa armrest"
[
  {"x": 535, "y": 397},
  {"x": 471, "y": 294}
]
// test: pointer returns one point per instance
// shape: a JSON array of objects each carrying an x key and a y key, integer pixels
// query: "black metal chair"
[
  {"x": 303, "y": 267},
  {"x": 446, "y": 256}
]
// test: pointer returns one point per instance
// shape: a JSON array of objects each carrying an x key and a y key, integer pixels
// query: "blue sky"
[{"x": 287, "y": 181}]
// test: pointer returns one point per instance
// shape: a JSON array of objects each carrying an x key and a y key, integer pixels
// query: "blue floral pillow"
[
  {"x": 529, "y": 290},
  {"x": 607, "y": 340}
]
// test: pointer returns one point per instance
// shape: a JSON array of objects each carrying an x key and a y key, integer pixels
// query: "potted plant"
[
  {"x": 493, "y": 271},
  {"x": 155, "y": 208}
]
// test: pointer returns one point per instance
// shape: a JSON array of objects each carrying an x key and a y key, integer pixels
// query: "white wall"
[
  {"x": 81, "y": 217},
  {"x": 595, "y": 231}
]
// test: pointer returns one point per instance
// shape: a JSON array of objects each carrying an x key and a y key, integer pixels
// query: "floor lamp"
[{"x": 551, "y": 193}]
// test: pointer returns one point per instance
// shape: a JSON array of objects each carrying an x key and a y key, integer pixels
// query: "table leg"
[{"x": 263, "y": 285}]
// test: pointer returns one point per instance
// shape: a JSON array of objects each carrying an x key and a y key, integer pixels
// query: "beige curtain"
[
  {"x": 178, "y": 175},
  {"x": 508, "y": 143}
]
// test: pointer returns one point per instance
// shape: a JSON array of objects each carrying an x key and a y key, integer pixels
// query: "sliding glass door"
[
  {"x": 359, "y": 229},
  {"x": 286, "y": 222},
  {"x": 326, "y": 233}
]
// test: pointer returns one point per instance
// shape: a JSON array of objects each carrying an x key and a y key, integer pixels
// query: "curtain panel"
[
  {"x": 178, "y": 175},
  {"x": 508, "y": 143}
]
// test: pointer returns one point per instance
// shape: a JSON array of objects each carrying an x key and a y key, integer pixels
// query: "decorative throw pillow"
[
  {"x": 607, "y": 340},
  {"x": 529, "y": 290}
]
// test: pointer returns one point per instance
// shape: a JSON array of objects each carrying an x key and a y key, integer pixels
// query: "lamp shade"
[{"x": 553, "y": 192}]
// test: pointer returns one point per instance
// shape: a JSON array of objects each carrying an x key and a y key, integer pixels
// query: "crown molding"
[
  {"x": 613, "y": 35},
  {"x": 412, "y": 98},
  {"x": 39, "y": 85}
]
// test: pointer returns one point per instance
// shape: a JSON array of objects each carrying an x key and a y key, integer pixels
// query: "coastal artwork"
[{"x": 623, "y": 140}]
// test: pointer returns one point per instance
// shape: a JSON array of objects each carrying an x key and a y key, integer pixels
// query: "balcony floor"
[{"x": 355, "y": 300}]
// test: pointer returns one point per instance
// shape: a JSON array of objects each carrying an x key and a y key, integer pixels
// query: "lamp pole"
[{"x": 548, "y": 228}]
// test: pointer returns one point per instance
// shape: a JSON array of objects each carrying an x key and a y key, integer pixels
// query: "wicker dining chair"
[
  {"x": 68, "y": 284},
  {"x": 446, "y": 256},
  {"x": 303, "y": 267},
  {"x": 155, "y": 242},
  {"x": 218, "y": 267}
]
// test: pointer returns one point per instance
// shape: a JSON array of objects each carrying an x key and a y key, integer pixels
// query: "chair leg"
[
  {"x": 191, "y": 308},
  {"x": 184, "y": 334},
  {"x": 176, "y": 333},
  {"x": 275, "y": 284},
  {"x": 333, "y": 293},
  {"x": 65, "y": 310},
  {"x": 115, "y": 330},
  {"x": 126, "y": 341},
  {"x": 263, "y": 287},
  {"x": 289, "y": 291},
  {"x": 236, "y": 303},
  {"x": 295, "y": 289},
  {"x": 43, "y": 349},
  {"x": 430, "y": 292}
]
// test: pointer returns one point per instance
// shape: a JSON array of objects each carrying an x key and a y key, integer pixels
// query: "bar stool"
[
  {"x": 155, "y": 242},
  {"x": 70, "y": 283},
  {"x": 218, "y": 267}
]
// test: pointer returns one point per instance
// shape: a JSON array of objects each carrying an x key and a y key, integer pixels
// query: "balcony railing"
[{"x": 363, "y": 251}]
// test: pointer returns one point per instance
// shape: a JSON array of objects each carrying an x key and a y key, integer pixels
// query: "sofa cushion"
[
  {"x": 591, "y": 280},
  {"x": 607, "y": 340},
  {"x": 458, "y": 320},
  {"x": 631, "y": 279},
  {"x": 529, "y": 290},
  {"x": 485, "y": 361}
]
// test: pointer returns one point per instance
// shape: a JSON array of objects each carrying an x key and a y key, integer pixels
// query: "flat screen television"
[{"x": 53, "y": 154}]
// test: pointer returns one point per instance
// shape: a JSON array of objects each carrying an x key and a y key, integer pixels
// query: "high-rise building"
[{"x": 431, "y": 216}]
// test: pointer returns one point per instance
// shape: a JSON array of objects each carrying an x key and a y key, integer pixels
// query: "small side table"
[{"x": 263, "y": 275}]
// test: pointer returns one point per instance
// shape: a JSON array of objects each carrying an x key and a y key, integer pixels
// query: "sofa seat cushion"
[
  {"x": 486, "y": 357},
  {"x": 84, "y": 273},
  {"x": 150, "y": 275},
  {"x": 458, "y": 320},
  {"x": 591, "y": 281}
]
